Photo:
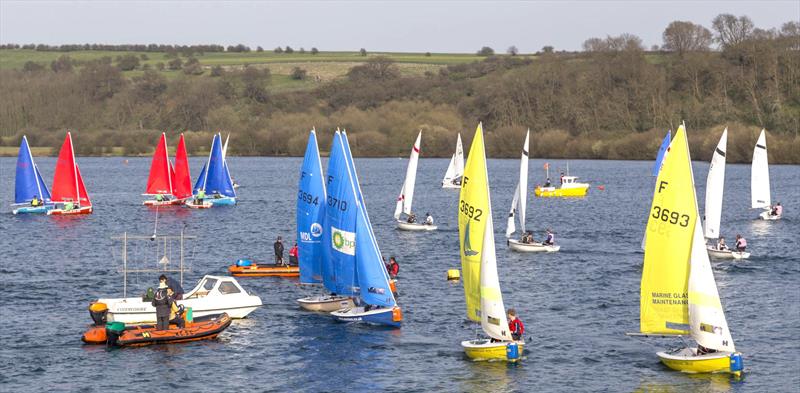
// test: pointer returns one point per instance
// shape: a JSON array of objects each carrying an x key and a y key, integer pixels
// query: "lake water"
[{"x": 576, "y": 304}]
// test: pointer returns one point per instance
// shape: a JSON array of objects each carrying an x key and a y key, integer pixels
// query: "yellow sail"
[
  {"x": 670, "y": 227},
  {"x": 473, "y": 209}
]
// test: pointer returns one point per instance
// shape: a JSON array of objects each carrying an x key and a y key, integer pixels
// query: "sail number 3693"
[
  {"x": 670, "y": 217},
  {"x": 471, "y": 211}
]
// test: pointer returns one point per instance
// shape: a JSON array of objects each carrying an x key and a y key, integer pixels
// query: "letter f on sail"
[{"x": 468, "y": 251}]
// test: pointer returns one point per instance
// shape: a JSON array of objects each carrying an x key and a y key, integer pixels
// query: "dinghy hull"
[
  {"x": 405, "y": 226},
  {"x": 516, "y": 245},
  {"x": 485, "y": 349},
  {"x": 71, "y": 212},
  {"x": 264, "y": 270},
  {"x": 325, "y": 303},
  {"x": 224, "y": 201},
  {"x": 171, "y": 202},
  {"x": 193, "y": 205},
  {"x": 727, "y": 254},
  {"x": 31, "y": 210},
  {"x": 381, "y": 316},
  {"x": 686, "y": 361},
  {"x": 766, "y": 216}
]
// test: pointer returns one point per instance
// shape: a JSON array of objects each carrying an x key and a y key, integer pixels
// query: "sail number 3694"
[
  {"x": 471, "y": 211},
  {"x": 670, "y": 217},
  {"x": 307, "y": 198}
]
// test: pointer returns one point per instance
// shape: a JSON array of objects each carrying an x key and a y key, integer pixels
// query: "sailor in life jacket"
[
  {"x": 741, "y": 244},
  {"x": 777, "y": 210},
  {"x": 550, "y": 240},
  {"x": 428, "y": 219},
  {"x": 515, "y": 325}
]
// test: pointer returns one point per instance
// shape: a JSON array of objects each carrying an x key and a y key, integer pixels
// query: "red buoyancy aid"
[
  {"x": 516, "y": 326},
  {"x": 293, "y": 251},
  {"x": 393, "y": 268}
]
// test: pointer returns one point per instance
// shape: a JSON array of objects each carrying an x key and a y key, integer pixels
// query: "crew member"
[
  {"x": 35, "y": 201},
  {"x": 777, "y": 210},
  {"x": 278, "y": 251},
  {"x": 721, "y": 244},
  {"x": 393, "y": 267},
  {"x": 550, "y": 240},
  {"x": 428, "y": 219},
  {"x": 163, "y": 303},
  {"x": 741, "y": 243},
  {"x": 412, "y": 218},
  {"x": 293, "y": 254},
  {"x": 175, "y": 311},
  {"x": 515, "y": 325},
  {"x": 174, "y": 286},
  {"x": 547, "y": 183}
]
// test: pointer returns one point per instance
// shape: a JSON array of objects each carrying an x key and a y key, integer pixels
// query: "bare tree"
[
  {"x": 732, "y": 30},
  {"x": 512, "y": 50},
  {"x": 684, "y": 37}
]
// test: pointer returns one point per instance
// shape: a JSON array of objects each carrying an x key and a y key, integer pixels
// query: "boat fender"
[
  {"x": 113, "y": 331},
  {"x": 512, "y": 351},
  {"x": 244, "y": 262},
  {"x": 453, "y": 275},
  {"x": 397, "y": 314},
  {"x": 98, "y": 311},
  {"x": 737, "y": 365}
]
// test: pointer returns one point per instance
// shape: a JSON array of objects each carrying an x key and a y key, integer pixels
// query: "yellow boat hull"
[
  {"x": 561, "y": 192},
  {"x": 487, "y": 350},
  {"x": 685, "y": 361}
]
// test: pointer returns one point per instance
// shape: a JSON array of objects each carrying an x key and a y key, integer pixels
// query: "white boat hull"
[
  {"x": 375, "y": 316},
  {"x": 325, "y": 303},
  {"x": 450, "y": 185},
  {"x": 727, "y": 254},
  {"x": 516, "y": 245},
  {"x": 403, "y": 225},
  {"x": 766, "y": 216}
]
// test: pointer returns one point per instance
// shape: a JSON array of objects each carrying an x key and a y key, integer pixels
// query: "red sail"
[
  {"x": 65, "y": 183},
  {"x": 84, "y": 196},
  {"x": 183, "y": 179},
  {"x": 160, "y": 180}
]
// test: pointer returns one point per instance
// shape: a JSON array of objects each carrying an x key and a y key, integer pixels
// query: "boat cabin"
[{"x": 215, "y": 286}]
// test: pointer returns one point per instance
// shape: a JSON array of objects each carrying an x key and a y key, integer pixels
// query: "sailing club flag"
[{"x": 546, "y": 165}]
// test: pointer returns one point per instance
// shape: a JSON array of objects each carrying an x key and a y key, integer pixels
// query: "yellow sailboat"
[
  {"x": 678, "y": 293},
  {"x": 479, "y": 262}
]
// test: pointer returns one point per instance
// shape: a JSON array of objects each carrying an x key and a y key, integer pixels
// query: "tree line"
[{"x": 612, "y": 100}]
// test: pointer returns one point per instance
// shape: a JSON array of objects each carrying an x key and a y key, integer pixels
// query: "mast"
[{"x": 74, "y": 170}]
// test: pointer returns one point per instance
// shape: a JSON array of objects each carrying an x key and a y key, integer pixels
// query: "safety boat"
[
  {"x": 310, "y": 216},
  {"x": 28, "y": 184},
  {"x": 518, "y": 209},
  {"x": 214, "y": 183},
  {"x": 760, "y": 196},
  {"x": 122, "y": 335},
  {"x": 679, "y": 295},
  {"x": 406, "y": 197},
  {"x": 484, "y": 299},
  {"x": 353, "y": 253},
  {"x": 248, "y": 268},
  {"x": 569, "y": 188},
  {"x": 212, "y": 295},
  {"x": 455, "y": 170},
  {"x": 69, "y": 193}
]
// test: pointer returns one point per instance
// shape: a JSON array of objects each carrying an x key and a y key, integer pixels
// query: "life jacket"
[
  {"x": 741, "y": 243},
  {"x": 293, "y": 251},
  {"x": 394, "y": 268},
  {"x": 516, "y": 326},
  {"x": 778, "y": 210},
  {"x": 160, "y": 298}
]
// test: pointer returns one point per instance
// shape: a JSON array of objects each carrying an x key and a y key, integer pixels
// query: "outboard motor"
[
  {"x": 99, "y": 312},
  {"x": 113, "y": 331}
]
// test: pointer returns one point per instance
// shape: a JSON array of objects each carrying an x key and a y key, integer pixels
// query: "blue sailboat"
[
  {"x": 29, "y": 184},
  {"x": 661, "y": 152},
  {"x": 354, "y": 255},
  {"x": 311, "y": 230},
  {"x": 214, "y": 182}
]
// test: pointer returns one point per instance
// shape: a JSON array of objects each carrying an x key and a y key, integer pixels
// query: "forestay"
[
  {"x": 759, "y": 175},
  {"x": 715, "y": 184}
]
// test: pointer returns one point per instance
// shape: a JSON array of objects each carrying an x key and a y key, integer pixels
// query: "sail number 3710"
[
  {"x": 471, "y": 211},
  {"x": 670, "y": 217}
]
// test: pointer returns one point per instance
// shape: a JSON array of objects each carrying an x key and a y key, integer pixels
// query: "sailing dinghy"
[
  {"x": 406, "y": 197},
  {"x": 518, "y": 209},
  {"x": 715, "y": 184},
  {"x": 354, "y": 258},
  {"x": 679, "y": 295},
  {"x": 479, "y": 263},
  {"x": 759, "y": 180},
  {"x": 455, "y": 171},
  {"x": 69, "y": 193},
  {"x": 214, "y": 187},
  {"x": 161, "y": 179},
  {"x": 312, "y": 251},
  {"x": 28, "y": 184}
]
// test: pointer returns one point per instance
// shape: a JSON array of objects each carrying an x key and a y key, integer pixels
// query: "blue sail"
[
  {"x": 373, "y": 281},
  {"x": 661, "y": 151},
  {"x": 217, "y": 179},
  {"x": 311, "y": 200},
  {"x": 339, "y": 231},
  {"x": 28, "y": 181},
  {"x": 198, "y": 185}
]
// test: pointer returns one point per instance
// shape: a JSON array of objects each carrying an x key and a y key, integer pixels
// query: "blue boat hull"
[
  {"x": 32, "y": 210},
  {"x": 383, "y": 316},
  {"x": 225, "y": 201}
]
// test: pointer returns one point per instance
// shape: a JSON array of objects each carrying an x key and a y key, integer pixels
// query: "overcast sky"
[{"x": 404, "y": 26}]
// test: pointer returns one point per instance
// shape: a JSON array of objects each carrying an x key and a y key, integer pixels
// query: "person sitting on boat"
[
  {"x": 721, "y": 244},
  {"x": 293, "y": 254},
  {"x": 428, "y": 219},
  {"x": 777, "y": 210},
  {"x": 741, "y": 243},
  {"x": 278, "y": 246},
  {"x": 562, "y": 178},
  {"x": 69, "y": 206},
  {"x": 174, "y": 286},
  {"x": 701, "y": 350},
  {"x": 393, "y": 267},
  {"x": 550, "y": 240},
  {"x": 515, "y": 325},
  {"x": 198, "y": 199},
  {"x": 175, "y": 311},
  {"x": 163, "y": 303},
  {"x": 412, "y": 218},
  {"x": 159, "y": 197},
  {"x": 35, "y": 201},
  {"x": 547, "y": 183},
  {"x": 527, "y": 237}
]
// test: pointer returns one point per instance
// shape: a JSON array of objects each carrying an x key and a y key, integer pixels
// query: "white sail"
[
  {"x": 493, "y": 312},
  {"x": 455, "y": 170},
  {"x": 225, "y": 147},
  {"x": 521, "y": 194},
  {"x": 406, "y": 196},
  {"x": 706, "y": 317},
  {"x": 715, "y": 183},
  {"x": 759, "y": 175}
]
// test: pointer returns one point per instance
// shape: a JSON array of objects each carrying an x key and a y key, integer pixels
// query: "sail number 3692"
[
  {"x": 471, "y": 211},
  {"x": 670, "y": 217}
]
